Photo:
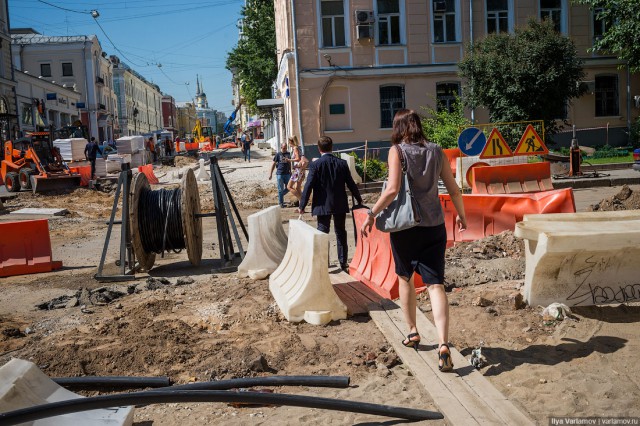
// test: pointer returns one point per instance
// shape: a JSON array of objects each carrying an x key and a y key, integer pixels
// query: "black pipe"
[
  {"x": 312, "y": 381},
  {"x": 158, "y": 397},
  {"x": 113, "y": 382}
]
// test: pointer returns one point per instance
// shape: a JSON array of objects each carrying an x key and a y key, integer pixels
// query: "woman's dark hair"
[{"x": 407, "y": 126}]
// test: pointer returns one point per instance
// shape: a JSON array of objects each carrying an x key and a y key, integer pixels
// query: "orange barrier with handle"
[
  {"x": 452, "y": 154},
  {"x": 84, "y": 172},
  {"x": 25, "y": 248},
  {"x": 148, "y": 172},
  {"x": 512, "y": 178}
]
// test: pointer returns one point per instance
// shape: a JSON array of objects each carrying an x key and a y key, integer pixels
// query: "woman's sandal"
[
  {"x": 410, "y": 342},
  {"x": 445, "y": 363}
]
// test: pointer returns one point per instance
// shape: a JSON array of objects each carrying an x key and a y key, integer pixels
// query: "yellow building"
[{"x": 186, "y": 118}]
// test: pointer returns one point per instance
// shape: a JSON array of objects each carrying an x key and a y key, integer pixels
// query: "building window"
[
  {"x": 27, "y": 114},
  {"x": 444, "y": 21},
  {"x": 446, "y": 96},
  {"x": 388, "y": 22},
  {"x": 67, "y": 69},
  {"x": 333, "y": 34},
  {"x": 552, "y": 10},
  {"x": 600, "y": 26},
  {"x": 391, "y": 100},
  {"x": 497, "y": 16},
  {"x": 45, "y": 70},
  {"x": 607, "y": 96}
]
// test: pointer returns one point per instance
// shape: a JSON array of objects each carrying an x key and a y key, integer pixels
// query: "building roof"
[{"x": 43, "y": 39}]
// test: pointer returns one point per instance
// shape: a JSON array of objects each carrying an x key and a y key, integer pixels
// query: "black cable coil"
[{"x": 160, "y": 220}]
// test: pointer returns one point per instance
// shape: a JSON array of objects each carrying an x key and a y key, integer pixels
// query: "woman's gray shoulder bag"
[{"x": 403, "y": 212}]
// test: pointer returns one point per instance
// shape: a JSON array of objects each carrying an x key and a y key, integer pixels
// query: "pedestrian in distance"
[
  {"x": 327, "y": 179},
  {"x": 299, "y": 165},
  {"x": 168, "y": 147},
  {"x": 420, "y": 249},
  {"x": 247, "y": 143},
  {"x": 282, "y": 165},
  {"x": 91, "y": 153}
]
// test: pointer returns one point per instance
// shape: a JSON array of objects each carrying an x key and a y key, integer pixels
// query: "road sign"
[
  {"x": 471, "y": 141},
  {"x": 531, "y": 143},
  {"x": 496, "y": 146}
]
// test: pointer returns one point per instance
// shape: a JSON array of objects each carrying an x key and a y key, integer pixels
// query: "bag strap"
[{"x": 403, "y": 163}]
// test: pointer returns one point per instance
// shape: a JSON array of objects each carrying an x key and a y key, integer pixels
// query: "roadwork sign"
[
  {"x": 496, "y": 146},
  {"x": 531, "y": 143},
  {"x": 471, "y": 141}
]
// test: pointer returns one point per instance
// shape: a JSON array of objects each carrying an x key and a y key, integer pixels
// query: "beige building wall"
[
  {"x": 340, "y": 86},
  {"x": 8, "y": 113},
  {"x": 186, "y": 118}
]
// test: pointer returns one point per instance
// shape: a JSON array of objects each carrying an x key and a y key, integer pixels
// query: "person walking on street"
[
  {"x": 299, "y": 165},
  {"x": 327, "y": 179},
  {"x": 420, "y": 249},
  {"x": 282, "y": 164},
  {"x": 91, "y": 153},
  {"x": 168, "y": 148},
  {"x": 247, "y": 143}
]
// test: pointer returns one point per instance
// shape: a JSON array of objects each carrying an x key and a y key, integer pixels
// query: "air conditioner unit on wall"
[
  {"x": 364, "y": 17},
  {"x": 364, "y": 32},
  {"x": 589, "y": 86},
  {"x": 439, "y": 6}
]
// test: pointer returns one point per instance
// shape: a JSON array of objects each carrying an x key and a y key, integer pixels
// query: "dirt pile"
[
  {"x": 80, "y": 202},
  {"x": 626, "y": 199},
  {"x": 185, "y": 161}
]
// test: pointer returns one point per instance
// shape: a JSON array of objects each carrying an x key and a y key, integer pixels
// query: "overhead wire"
[{"x": 63, "y": 8}]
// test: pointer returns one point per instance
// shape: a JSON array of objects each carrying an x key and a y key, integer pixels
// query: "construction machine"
[
  {"x": 203, "y": 134},
  {"x": 32, "y": 162}
]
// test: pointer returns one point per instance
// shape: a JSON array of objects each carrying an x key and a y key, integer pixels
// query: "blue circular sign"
[{"x": 472, "y": 141}]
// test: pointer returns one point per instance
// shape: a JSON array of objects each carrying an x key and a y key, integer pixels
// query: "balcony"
[
  {"x": 102, "y": 107},
  {"x": 99, "y": 81}
]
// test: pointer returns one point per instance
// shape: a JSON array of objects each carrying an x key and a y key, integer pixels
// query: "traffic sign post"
[
  {"x": 496, "y": 146},
  {"x": 471, "y": 141},
  {"x": 531, "y": 143}
]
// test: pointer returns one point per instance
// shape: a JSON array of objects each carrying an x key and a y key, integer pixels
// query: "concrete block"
[
  {"x": 202, "y": 171},
  {"x": 23, "y": 385},
  {"x": 267, "y": 244},
  {"x": 301, "y": 285},
  {"x": 581, "y": 259},
  {"x": 352, "y": 167},
  {"x": 42, "y": 211}
]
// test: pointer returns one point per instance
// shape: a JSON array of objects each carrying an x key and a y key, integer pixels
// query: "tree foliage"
[
  {"x": 622, "y": 30},
  {"x": 531, "y": 74},
  {"x": 442, "y": 127},
  {"x": 253, "y": 60}
]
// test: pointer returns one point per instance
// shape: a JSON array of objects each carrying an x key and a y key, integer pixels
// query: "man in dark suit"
[{"x": 327, "y": 179}]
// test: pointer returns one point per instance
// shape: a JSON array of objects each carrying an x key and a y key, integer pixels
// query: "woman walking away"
[
  {"x": 299, "y": 166},
  {"x": 420, "y": 249}
]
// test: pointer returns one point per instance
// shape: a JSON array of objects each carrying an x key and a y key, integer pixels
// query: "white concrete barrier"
[
  {"x": 581, "y": 259},
  {"x": 267, "y": 244},
  {"x": 301, "y": 285},
  {"x": 352, "y": 167},
  {"x": 23, "y": 385},
  {"x": 202, "y": 171}
]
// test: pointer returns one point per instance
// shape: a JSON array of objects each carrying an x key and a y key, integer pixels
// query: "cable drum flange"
[{"x": 191, "y": 224}]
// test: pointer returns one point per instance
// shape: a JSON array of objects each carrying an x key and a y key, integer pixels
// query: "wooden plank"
[
  {"x": 42, "y": 211},
  {"x": 354, "y": 307},
  {"x": 484, "y": 390},
  {"x": 365, "y": 291},
  {"x": 443, "y": 397}
]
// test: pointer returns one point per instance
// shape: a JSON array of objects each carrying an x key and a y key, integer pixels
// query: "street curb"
[{"x": 594, "y": 183}]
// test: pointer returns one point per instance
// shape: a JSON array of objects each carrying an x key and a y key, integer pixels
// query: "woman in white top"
[{"x": 298, "y": 167}]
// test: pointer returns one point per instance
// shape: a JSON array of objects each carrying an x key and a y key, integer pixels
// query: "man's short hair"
[{"x": 325, "y": 144}]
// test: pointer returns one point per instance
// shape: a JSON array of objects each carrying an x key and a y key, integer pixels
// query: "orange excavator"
[{"x": 34, "y": 163}]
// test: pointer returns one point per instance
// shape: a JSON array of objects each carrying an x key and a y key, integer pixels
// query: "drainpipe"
[
  {"x": 473, "y": 110},
  {"x": 295, "y": 62},
  {"x": 628, "y": 100}
]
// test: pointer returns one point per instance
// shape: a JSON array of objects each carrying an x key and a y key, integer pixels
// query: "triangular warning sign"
[
  {"x": 496, "y": 146},
  {"x": 531, "y": 143}
]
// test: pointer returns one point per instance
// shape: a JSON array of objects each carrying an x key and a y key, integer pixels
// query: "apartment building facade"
[
  {"x": 169, "y": 114},
  {"x": 8, "y": 107},
  {"x": 186, "y": 118},
  {"x": 77, "y": 62},
  {"x": 346, "y": 66}
]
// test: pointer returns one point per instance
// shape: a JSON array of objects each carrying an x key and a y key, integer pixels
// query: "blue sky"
[{"x": 185, "y": 37}]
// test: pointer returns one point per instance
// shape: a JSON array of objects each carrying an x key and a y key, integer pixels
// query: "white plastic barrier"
[
  {"x": 267, "y": 244},
  {"x": 23, "y": 385},
  {"x": 581, "y": 259},
  {"x": 463, "y": 164},
  {"x": 352, "y": 167},
  {"x": 301, "y": 285},
  {"x": 202, "y": 171}
]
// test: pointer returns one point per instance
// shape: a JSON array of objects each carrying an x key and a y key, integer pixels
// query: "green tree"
[
  {"x": 531, "y": 74},
  {"x": 621, "y": 19},
  {"x": 441, "y": 126},
  {"x": 253, "y": 60}
]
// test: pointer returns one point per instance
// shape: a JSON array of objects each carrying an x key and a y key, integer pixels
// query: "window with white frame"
[
  {"x": 497, "y": 16},
  {"x": 606, "y": 91},
  {"x": 447, "y": 95},
  {"x": 333, "y": 32},
  {"x": 552, "y": 10},
  {"x": 388, "y": 22},
  {"x": 391, "y": 100},
  {"x": 600, "y": 25},
  {"x": 444, "y": 21}
]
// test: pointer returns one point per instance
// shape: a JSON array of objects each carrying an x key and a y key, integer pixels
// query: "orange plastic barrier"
[
  {"x": 452, "y": 154},
  {"x": 227, "y": 145},
  {"x": 191, "y": 146},
  {"x": 84, "y": 172},
  {"x": 512, "y": 178},
  {"x": 25, "y": 248},
  {"x": 373, "y": 264},
  {"x": 148, "y": 172},
  {"x": 492, "y": 214}
]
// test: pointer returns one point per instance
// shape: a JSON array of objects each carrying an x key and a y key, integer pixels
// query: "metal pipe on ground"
[{"x": 162, "y": 397}]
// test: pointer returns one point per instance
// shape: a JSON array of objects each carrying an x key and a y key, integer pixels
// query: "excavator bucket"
[{"x": 57, "y": 183}]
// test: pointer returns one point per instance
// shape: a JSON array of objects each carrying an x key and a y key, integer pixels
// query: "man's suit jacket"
[{"x": 327, "y": 178}]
